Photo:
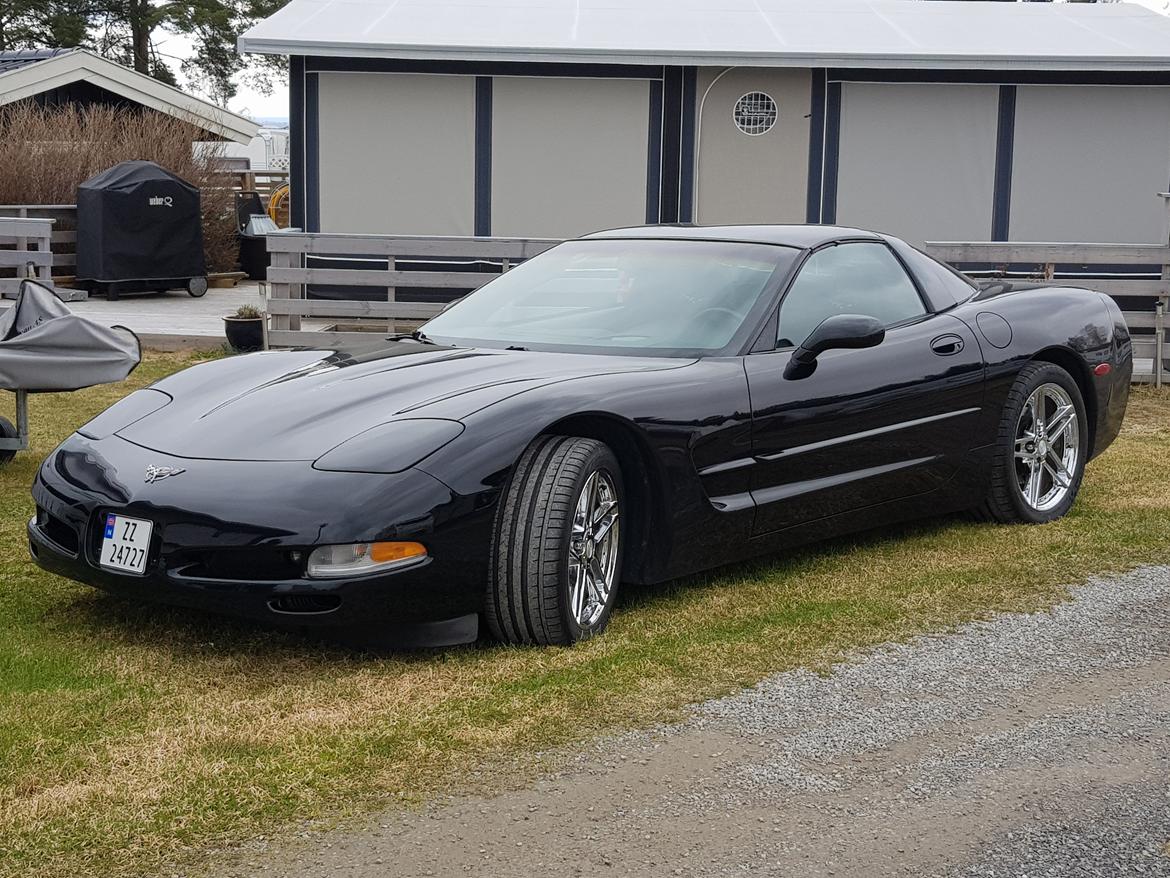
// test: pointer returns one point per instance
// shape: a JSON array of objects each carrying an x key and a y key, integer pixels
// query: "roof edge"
[
  {"x": 1086, "y": 63},
  {"x": 82, "y": 64}
]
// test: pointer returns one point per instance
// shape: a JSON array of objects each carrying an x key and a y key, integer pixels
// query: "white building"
[{"x": 995, "y": 121}]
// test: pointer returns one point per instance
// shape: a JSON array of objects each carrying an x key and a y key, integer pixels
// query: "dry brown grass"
[
  {"x": 46, "y": 152},
  {"x": 131, "y": 737}
]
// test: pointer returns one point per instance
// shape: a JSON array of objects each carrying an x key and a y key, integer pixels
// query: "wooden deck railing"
[
  {"x": 64, "y": 235},
  {"x": 25, "y": 251},
  {"x": 417, "y": 263},
  {"x": 1101, "y": 267}
]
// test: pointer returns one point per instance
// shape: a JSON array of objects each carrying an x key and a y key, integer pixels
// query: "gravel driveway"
[{"x": 1024, "y": 746}]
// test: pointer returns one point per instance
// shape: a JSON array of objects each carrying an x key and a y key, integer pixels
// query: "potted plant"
[{"x": 245, "y": 329}]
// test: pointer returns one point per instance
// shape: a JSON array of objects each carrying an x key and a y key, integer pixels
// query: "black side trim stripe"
[
  {"x": 796, "y": 489},
  {"x": 727, "y": 466},
  {"x": 864, "y": 434}
]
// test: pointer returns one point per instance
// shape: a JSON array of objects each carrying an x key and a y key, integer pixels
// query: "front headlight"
[
  {"x": 391, "y": 447},
  {"x": 355, "y": 559},
  {"x": 125, "y": 412}
]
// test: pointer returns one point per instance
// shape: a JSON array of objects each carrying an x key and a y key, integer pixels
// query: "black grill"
[
  {"x": 57, "y": 531},
  {"x": 240, "y": 565},
  {"x": 305, "y": 603}
]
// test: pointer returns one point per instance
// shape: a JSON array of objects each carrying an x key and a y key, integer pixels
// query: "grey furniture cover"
[{"x": 46, "y": 347}]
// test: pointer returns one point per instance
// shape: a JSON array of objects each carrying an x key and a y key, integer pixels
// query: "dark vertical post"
[
  {"x": 832, "y": 152},
  {"x": 686, "y": 179},
  {"x": 654, "y": 154},
  {"x": 1004, "y": 149},
  {"x": 483, "y": 156},
  {"x": 312, "y": 154},
  {"x": 296, "y": 147},
  {"x": 816, "y": 146},
  {"x": 672, "y": 103}
]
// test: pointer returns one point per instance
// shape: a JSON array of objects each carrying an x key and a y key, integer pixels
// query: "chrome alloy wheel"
[
  {"x": 593, "y": 549},
  {"x": 1048, "y": 447}
]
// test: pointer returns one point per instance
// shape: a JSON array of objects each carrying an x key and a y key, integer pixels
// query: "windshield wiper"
[
  {"x": 515, "y": 347},
  {"x": 418, "y": 335}
]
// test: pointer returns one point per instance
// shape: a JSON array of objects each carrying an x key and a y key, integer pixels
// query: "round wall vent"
[{"x": 755, "y": 113}]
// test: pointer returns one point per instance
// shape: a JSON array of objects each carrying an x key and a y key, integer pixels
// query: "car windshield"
[{"x": 631, "y": 296}]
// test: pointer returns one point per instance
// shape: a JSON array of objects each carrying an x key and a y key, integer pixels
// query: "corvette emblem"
[{"x": 158, "y": 473}]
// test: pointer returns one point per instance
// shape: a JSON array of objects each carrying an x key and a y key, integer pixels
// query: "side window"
[{"x": 858, "y": 278}]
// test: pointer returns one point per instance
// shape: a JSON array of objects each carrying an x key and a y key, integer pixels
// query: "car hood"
[{"x": 297, "y": 405}]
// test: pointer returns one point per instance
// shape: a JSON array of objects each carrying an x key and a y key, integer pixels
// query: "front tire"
[
  {"x": 1041, "y": 448},
  {"x": 557, "y": 550}
]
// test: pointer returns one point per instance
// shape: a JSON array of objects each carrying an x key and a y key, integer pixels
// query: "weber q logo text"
[{"x": 162, "y": 201}]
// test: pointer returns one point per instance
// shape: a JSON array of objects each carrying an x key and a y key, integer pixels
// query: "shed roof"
[
  {"x": 20, "y": 57},
  {"x": 771, "y": 33},
  {"x": 25, "y": 74}
]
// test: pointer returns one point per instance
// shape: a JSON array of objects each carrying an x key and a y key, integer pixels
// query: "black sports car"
[{"x": 631, "y": 406}]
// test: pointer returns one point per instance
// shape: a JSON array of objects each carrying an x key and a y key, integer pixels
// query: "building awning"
[
  {"x": 768, "y": 33},
  {"x": 30, "y": 73}
]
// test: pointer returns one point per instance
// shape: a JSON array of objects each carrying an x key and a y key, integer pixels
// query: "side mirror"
[{"x": 839, "y": 331}]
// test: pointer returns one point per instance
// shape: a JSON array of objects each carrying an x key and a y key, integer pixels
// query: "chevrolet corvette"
[{"x": 628, "y": 407}]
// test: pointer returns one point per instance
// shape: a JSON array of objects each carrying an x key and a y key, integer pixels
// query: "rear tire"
[
  {"x": 197, "y": 287},
  {"x": 556, "y": 555},
  {"x": 7, "y": 431},
  {"x": 1036, "y": 474}
]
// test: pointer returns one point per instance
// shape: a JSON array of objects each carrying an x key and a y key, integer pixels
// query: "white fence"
[
  {"x": 25, "y": 251},
  {"x": 430, "y": 264},
  {"x": 1096, "y": 266}
]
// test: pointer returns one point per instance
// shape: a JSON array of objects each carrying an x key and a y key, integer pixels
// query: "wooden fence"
[
  {"x": 25, "y": 251},
  {"x": 65, "y": 215},
  {"x": 256, "y": 180},
  {"x": 417, "y": 263},
  {"x": 1101, "y": 267},
  {"x": 64, "y": 234}
]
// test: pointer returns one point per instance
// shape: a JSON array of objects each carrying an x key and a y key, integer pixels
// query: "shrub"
[
  {"x": 247, "y": 312},
  {"x": 45, "y": 152}
]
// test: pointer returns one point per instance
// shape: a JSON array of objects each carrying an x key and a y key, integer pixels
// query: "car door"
[{"x": 868, "y": 425}]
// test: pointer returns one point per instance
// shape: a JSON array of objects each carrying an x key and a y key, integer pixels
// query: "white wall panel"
[
  {"x": 746, "y": 178},
  {"x": 1089, "y": 163},
  {"x": 569, "y": 156},
  {"x": 918, "y": 160},
  {"x": 397, "y": 153}
]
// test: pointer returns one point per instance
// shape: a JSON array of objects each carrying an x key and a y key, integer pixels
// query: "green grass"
[{"x": 133, "y": 737}]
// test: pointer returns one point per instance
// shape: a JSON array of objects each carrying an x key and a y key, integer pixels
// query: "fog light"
[{"x": 330, "y": 562}]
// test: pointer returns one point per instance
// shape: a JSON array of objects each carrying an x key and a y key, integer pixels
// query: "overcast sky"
[{"x": 251, "y": 103}]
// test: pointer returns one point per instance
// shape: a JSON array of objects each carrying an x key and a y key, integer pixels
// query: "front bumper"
[{"x": 231, "y": 536}]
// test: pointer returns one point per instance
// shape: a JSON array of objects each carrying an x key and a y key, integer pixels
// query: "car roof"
[{"x": 802, "y": 236}]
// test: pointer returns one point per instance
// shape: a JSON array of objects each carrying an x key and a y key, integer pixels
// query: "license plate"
[{"x": 125, "y": 543}]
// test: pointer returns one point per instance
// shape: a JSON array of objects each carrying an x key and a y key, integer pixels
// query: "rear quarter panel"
[{"x": 1077, "y": 329}]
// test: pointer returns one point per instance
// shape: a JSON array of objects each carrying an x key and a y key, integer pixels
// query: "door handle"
[{"x": 947, "y": 345}]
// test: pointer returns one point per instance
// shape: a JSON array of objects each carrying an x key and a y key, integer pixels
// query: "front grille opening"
[
  {"x": 238, "y": 564},
  {"x": 305, "y": 603},
  {"x": 57, "y": 531}
]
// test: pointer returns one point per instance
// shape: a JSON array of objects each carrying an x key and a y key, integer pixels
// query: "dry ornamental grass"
[{"x": 46, "y": 152}]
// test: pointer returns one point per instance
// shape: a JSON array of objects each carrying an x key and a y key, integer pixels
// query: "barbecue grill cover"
[
  {"x": 46, "y": 347},
  {"x": 138, "y": 222}
]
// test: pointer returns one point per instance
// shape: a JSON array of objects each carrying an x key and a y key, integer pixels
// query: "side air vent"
[{"x": 304, "y": 604}]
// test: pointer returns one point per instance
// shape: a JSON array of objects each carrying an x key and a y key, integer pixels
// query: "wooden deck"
[{"x": 174, "y": 320}]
